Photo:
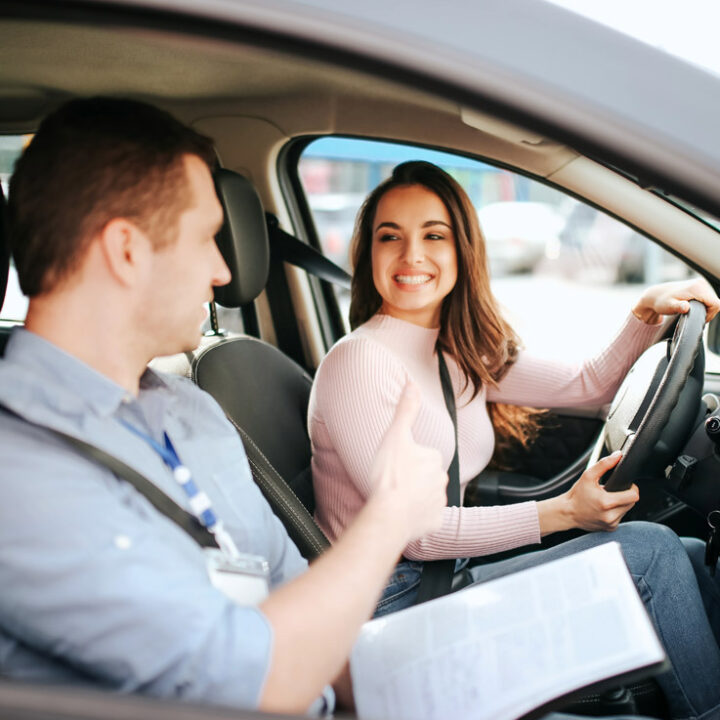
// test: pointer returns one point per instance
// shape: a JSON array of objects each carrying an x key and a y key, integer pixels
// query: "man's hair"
[{"x": 91, "y": 161}]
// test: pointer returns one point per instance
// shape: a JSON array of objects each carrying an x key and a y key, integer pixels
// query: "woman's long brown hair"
[{"x": 472, "y": 328}]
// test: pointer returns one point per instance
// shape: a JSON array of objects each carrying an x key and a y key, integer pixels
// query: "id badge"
[{"x": 242, "y": 579}]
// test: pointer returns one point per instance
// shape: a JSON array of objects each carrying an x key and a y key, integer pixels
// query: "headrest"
[
  {"x": 4, "y": 248},
  {"x": 243, "y": 239}
]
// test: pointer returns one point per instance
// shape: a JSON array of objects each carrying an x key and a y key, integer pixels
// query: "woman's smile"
[{"x": 412, "y": 281}]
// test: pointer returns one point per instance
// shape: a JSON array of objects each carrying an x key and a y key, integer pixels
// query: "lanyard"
[{"x": 199, "y": 502}]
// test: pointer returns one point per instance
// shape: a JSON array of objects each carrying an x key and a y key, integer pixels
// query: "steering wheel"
[{"x": 656, "y": 386}]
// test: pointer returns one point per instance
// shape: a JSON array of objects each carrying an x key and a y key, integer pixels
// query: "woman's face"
[{"x": 414, "y": 259}]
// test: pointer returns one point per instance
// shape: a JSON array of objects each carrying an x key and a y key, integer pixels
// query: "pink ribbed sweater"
[{"x": 353, "y": 401}]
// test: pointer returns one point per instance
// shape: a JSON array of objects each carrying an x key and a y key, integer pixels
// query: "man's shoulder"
[
  {"x": 21, "y": 388},
  {"x": 39, "y": 466}
]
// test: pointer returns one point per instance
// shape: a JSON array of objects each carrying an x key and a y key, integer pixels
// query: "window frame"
[{"x": 295, "y": 199}]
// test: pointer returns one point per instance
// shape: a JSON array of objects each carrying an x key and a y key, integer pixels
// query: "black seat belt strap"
[
  {"x": 296, "y": 252},
  {"x": 437, "y": 575},
  {"x": 162, "y": 503}
]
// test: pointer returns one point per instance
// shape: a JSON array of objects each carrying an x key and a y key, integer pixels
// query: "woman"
[{"x": 421, "y": 283}]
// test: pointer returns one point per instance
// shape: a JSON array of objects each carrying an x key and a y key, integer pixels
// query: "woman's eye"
[
  {"x": 434, "y": 236},
  {"x": 387, "y": 237}
]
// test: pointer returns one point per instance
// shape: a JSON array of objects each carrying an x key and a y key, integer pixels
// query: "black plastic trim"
[{"x": 326, "y": 305}]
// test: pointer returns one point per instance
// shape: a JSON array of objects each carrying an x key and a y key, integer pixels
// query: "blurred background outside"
[
  {"x": 566, "y": 273},
  {"x": 11, "y": 146}
]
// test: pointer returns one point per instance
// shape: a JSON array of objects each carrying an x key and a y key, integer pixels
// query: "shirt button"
[{"x": 122, "y": 542}]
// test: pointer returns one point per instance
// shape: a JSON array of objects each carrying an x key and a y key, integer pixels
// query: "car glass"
[
  {"x": 549, "y": 253},
  {"x": 11, "y": 146}
]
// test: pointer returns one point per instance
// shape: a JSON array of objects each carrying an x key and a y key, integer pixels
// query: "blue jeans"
[{"x": 683, "y": 601}]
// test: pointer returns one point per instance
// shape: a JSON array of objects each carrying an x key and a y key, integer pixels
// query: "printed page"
[{"x": 496, "y": 651}]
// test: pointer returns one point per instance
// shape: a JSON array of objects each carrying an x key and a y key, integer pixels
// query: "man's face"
[{"x": 184, "y": 272}]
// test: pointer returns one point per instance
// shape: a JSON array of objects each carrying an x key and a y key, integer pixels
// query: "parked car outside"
[
  {"x": 594, "y": 247},
  {"x": 520, "y": 234}
]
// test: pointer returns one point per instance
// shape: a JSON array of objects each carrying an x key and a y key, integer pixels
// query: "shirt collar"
[{"x": 98, "y": 392}]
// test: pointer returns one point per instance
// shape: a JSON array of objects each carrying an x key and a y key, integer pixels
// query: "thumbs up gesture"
[{"x": 409, "y": 479}]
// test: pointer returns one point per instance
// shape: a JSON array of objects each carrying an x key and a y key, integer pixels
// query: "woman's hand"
[
  {"x": 587, "y": 505},
  {"x": 673, "y": 298}
]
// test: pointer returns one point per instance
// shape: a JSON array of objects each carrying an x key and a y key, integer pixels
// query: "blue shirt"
[{"x": 98, "y": 587}]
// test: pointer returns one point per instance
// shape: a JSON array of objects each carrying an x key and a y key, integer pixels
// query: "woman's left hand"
[{"x": 673, "y": 298}]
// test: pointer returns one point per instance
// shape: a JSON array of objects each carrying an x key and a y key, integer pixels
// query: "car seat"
[{"x": 263, "y": 392}]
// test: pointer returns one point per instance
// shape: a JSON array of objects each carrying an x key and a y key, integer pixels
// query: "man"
[{"x": 113, "y": 216}]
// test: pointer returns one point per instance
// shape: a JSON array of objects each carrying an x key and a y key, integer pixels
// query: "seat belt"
[
  {"x": 295, "y": 252},
  {"x": 437, "y": 575},
  {"x": 160, "y": 501}
]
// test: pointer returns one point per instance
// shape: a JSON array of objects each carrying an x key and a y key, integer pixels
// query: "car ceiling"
[
  {"x": 252, "y": 100},
  {"x": 42, "y": 61}
]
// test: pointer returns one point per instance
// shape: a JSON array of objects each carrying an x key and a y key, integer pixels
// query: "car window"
[
  {"x": 11, "y": 146},
  {"x": 566, "y": 273}
]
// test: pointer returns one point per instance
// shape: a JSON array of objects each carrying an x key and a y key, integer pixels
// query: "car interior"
[{"x": 263, "y": 103}]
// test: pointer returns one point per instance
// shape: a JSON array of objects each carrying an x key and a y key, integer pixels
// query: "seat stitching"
[
  {"x": 281, "y": 501},
  {"x": 280, "y": 495}
]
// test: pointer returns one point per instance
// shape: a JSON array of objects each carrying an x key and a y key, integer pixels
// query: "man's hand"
[
  {"x": 408, "y": 479},
  {"x": 339, "y": 591}
]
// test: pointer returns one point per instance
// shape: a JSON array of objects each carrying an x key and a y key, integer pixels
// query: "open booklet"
[{"x": 508, "y": 647}]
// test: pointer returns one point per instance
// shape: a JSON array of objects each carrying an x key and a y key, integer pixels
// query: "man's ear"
[{"x": 124, "y": 248}]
